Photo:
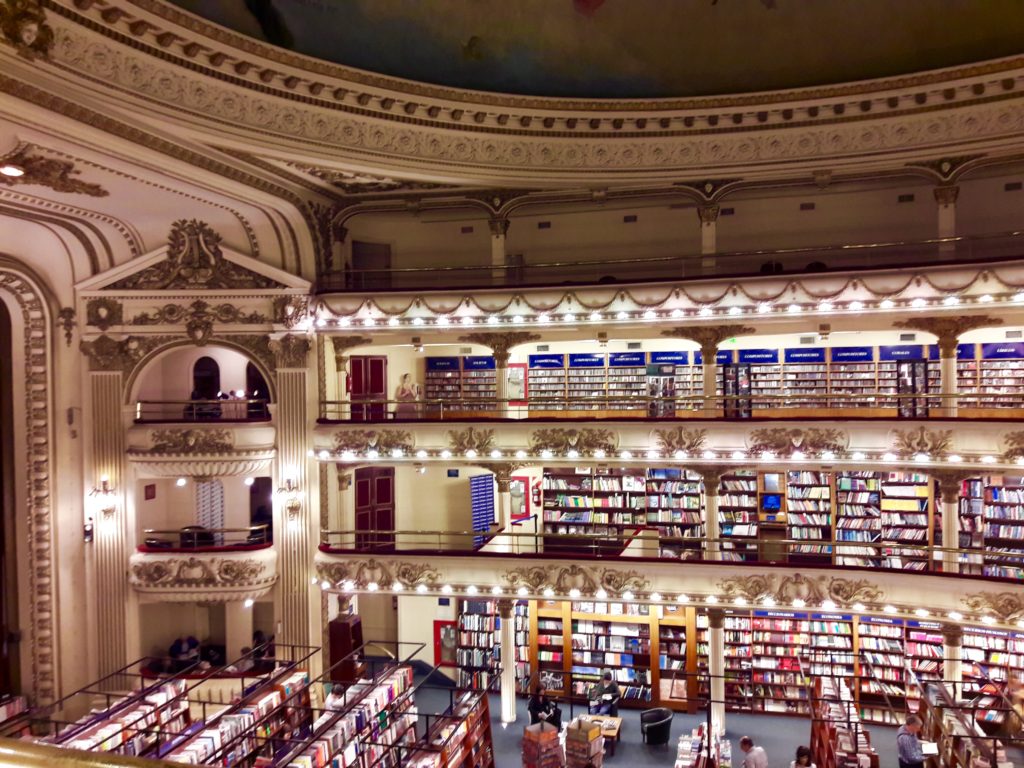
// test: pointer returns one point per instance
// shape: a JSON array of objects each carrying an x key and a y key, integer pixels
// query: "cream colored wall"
[
  {"x": 175, "y": 507},
  {"x": 416, "y": 617},
  {"x": 170, "y": 376},
  {"x": 160, "y": 624},
  {"x": 433, "y": 501},
  {"x": 380, "y": 619}
]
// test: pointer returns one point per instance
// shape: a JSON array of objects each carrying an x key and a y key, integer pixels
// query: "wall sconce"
[
  {"x": 106, "y": 499},
  {"x": 290, "y": 497}
]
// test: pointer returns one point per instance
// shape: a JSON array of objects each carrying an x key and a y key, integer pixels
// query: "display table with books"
[
  {"x": 610, "y": 727},
  {"x": 584, "y": 744}
]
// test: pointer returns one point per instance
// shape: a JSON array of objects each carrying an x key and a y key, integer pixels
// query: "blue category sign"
[
  {"x": 481, "y": 363},
  {"x": 832, "y": 617},
  {"x": 881, "y": 620},
  {"x": 780, "y": 615},
  {"x": 722, "y": 357},
  {"x": 625, "y": 359},
  {"x": 759, "y": 355},
  {"x": 1007, "y": 350},
  {"x": 853, "y": 354},
  {"x": 933, "y": 351},
  {"x": 668, "y": 358},
  {"x": 901, "y": 352},
  {"x": 547, "y": 361},
  {"x": 442, "y": 363},
  {"x": 804, "y": 355},
  {"x": 966, "y": 351},
  {"x": 585, "y": 360}
]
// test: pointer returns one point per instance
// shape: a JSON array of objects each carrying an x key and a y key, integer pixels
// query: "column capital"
[
  {"x": 952, "y": 634},
  {"x": 498, "y": 225},
  {"x": 500, "y": 344},
  {"x": 948, "y": 330},
  {"x": 708, "y": 336},
  {"x": 712, "y": 475},
  {"x": 502, "y": 471},
  {"x": 949, "y": 481},
  {"x": 505, "y": 608},
  {"x": 946, "y": 194},
  {"x": 291, "y": 351},
  {"x": 716, "y": 618},
  {"x": 708, "y": 213}
]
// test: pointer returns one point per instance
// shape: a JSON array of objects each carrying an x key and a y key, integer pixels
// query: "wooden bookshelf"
[
  {"x": 778, "y": 639},
  {"x": 476, "y": 652},
  {"x": 809, "y": 515},
  {"x": 738, "y": 515},
  {"x": 858, "y": 518},
  {"x": 907, "y": 505},
  {"x": 1003, "y": 531}
]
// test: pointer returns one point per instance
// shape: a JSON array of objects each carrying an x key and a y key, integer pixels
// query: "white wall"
[
  {"x": 416, "y": 617},
  {"x": 169, "y": 377},
  {"x": 433, "y": 501}
]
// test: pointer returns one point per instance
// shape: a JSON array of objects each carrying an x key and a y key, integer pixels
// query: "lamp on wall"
[
  {"x": 106, "y": 499},
  {"x": 290, "y": 497}
]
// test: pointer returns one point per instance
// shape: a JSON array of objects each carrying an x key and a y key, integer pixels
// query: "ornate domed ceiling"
[{"x": 631, "y": 48}]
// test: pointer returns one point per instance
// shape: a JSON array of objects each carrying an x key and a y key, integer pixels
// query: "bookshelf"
[
  {"x": 674, "y": 505},
  {"x": 477, "y": 651},
  {"x": 831, "y": 652},
  {"x": 587, "y": 378},
  {"x": 442, "y": 381},
  {"x": 676, "y": 657},
  {"x": 971, "y": 516},
  {"x": 1001, "y": 375},
  {"x": 627, "y": 378},
  {"x": 924, "y": 653},
  {"x": 906, "y": 499},
  {"x": 546, "y": 382},
  {"x": 480, "y": 383},
  {"x": 548, "y": 643},
  {"x": 853, "y": 376},
  {"x": 621, "y": 644},
  {"x": 967, "y": 370},
  {"x": 738, "y": 515},
  {"x": 858, "y": 518},
  {"x": 809, "y": 515},
  {"x": 778, "y": 639},
  {"x": 594, "y": 507},
  {"x": 881, "y": 669},
  {"x": 693, "y": 750},
  {"x": 805, "y": 377},
  {"x": 688, "y": 380},
  {"x": 459, "y": 738},
  {"x": 765, "y": 375},
  {"x": 1003, "y": 511},
  {"x": 521, "y": 617},
  {"x": 838, "y": 738}
]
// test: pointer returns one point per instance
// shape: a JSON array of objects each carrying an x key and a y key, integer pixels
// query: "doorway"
[
  {"x": 368, "y": 387},
  {"x": 375, "y": 508},
  {"x": 371, "y": 266},
  {"x": 256, "y": 389}
]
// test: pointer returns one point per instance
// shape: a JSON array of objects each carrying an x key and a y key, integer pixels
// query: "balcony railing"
[
  {"x": 759, "y": 406},
  {"x": 222, "y": 410},
  {"x": 646, "y": 543},
  {"x": 890, "y": 255},
  {"x": 196, "y": 538}
]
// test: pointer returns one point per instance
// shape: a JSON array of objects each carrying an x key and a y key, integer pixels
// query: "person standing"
[
  {"x": 406, "y": 395},
  {"x": 756, "y": 757},
  {"x": 908, "y": 744}
]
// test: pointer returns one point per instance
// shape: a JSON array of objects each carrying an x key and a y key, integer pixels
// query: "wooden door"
[
  {"x": 368, "y": 375},
  {"x": 375, "y": 508}
]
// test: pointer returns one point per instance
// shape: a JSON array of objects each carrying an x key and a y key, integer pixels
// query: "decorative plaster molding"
[
  {"x": 586, "y": 440},
  {"x": 907, "y": 443},
  {"x": 1014, "y": 446},
  {"x": 812, "y": 590},
  {"x": 291, "y": 351},
  {"x": 47, "y": 172},
  {"x": 191, "y": 441},
  {"x": 291, "y": 311},
  {"x": 237, "y": 463},
  {"x": 587, "y": 579},
  {"x": 207, "y": 577},
  {"x": 66, "y": 319},
  {"x": 784, "y": 442},
  {"x": 471, "y": 439},
  {"x": 104, "y": 312},
  {"x": 23, "y": 24},
  {"x": 502, "y": 471},
  {"x": 500, "y": 344},
  {"x": 708, "y": 336},
  {"x": 1007, "y": 606},
  {"x": 675, "y": 439},
  {"x": 381, "y": 440},
  {"x": 948, "y": 330},
  {"x": 106, "y": 354},
  {"x": 198, "y": 314},
  {"x": 382, "y": 573}
]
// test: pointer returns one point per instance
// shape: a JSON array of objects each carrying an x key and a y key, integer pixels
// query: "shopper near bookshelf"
[
  {"x": 246, "y": 663},
  {"x": 184, "y": 651},
  {"x": 542, "y": 709},
  {"x": 604, "y": 696},
  {"x": 908, "y": 744},
  {"x": 756, "y": 757},
  {"x": 407, "y": 394},
  {"x": 803, "y": 758}
]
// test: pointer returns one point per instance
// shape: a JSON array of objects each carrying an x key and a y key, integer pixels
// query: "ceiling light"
[
  {"x": 373, "y": 586},
  {"x": 622, "y": 316},
  {"x": 369, "y": 322},
  {"x": 858, "y": 607},
  {"x": 249, "y": 480},
  {"x": 856, "y": 306},
  {"x": 683, "y": 599},
  {"x": 443, "y": 320},
  {"x": 421, "y": 588},
  {"x": 323, "y": 456},
  {"x": 740, "y": 601},
  {"x": 471, "y": 454},
  {"x": 886, "y": 304},
  {"x": 568, "y": 317},
  {"x": 922, "y": 458},
  {"x": 467, "y": 320},
  {"x": 348, "y": 586},
  {"x": 918, "y": 303},
  {"x": 828, "y": 605},
  {"x": 889, "y": 456},
  {"x": 799, "y": 602},
  {"x": 493, "y": 320},
  {"x": 12, "y": 170},
  {"x": 572, "y": 453},
  {"x": 517, "y": 319},
  {"x": 764, "y": 308},
  {"x": 1018, "y": 297},
  {"x": 794, "y": 309},
  {"x": 495, "y": 454},
  {"x": 988, "y": 459},
  {"x": 522, "y": 591},
  {"x": 734, "y": 310},
  {"x": 495, "y": 590},
  {"x": 421, "y": 454},
  {"x": 955, "y": 615},
  {"x": 392, "y": 321},
  {"x": 543, "y": 318},
  {"x": 249, "y": 602},
  {"x": 372, "y": 454},
  {"x": 546, "y": 454},
  {"x": 955, "y": 458},
  {"x": 988, "y": 620},
  {"x": 520, "y": 454},
  {"x": 417, "y": 321},
  {"x": 677, "y": 313},
  {"x": 599, "y": 453},
  {"x": 348, "y": 456},
  {"x": 922, "y": 613},
  {"x": 767, "y": 455},
  {"x": 548, "y": 592},
  {"x": 652, "y": 454},
  {"x": 681, "y": 455},
  {"x": 471, "y": 590},
  {"x": 627, "y": 595},
  {"x": 825, "y": 306},
  {"x": 396, "y": 587},
  {"x": 446, "y": 589},
  {"x": 397, "y": 453},
  {"x": 708, "y": 454},
  {"x": 650, "y": 314},
  {"x": 180, "y": 482},
  {"x": 601, "y": 594},
  {"x": 655, "y": 597},
  {"x": 889, "y": 609},
  {"x": 797, "y": 456},
  {"x": 704, "y": 311},
  {"x": 625, "y": 455},
  {"x": 574, "y": 593},
  {"x": 858, "y": 456},
  {"x": 446, "y": 454},
  {"x": 325, "y": 585},
  {"x": 828, "y": 455},
  {"x": 768, "y": 602},
  {"x": 595, "y": 316},
  {"x": 951, "y": 301},
  {"x": 345, "y": 321}
]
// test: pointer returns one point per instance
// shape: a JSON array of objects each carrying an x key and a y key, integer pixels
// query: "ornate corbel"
[
  {"x": 500, "y": 344},
  {"x": 708, "y": 336},
  {"x": 948, "y": 329}
]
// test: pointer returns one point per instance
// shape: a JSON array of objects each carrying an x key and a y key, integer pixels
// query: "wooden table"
[{"x": 610, "y": 728}]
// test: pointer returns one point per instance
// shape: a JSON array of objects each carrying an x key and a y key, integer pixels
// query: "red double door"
[
  {"x": 368, "y": 387},
  {"x": 375, "y": 508}
]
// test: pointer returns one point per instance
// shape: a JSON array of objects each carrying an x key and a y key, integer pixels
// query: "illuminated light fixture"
[
  {"x": 650, "y": 314},
  {"x": 522, "y": 591},
  {"x": 825, "y": 306},
  {"x": 886, "y": 304},
  {"x": 443, "y": 320},
  {"x": 446, "y": 589},
  {"x": 599, "y": 453},
  {"x": 572, "y": 453},
  {"x": 1018, "y": 297},
  {"x": 392, "y": 321},
  {"x": 988, "y": 459},
  {"x": 738, "y": 455},
  {"x": 828, "y": 455},
  {"x": 421, "y": 588},
  {"x": 574, "y": 593},
  {"x": 799, "y": 602},
  {"x": 520, "y": 454},
  {"x": 348, "y": 456},
  {"x": 417, "y": 321},
  {"x": 467, "y": 320},
  {"x": 889, "y": 456},
  {"x": 493, "y": 320},
  {"x": 858, "y": 456},
  {"x": 543, "y": 318},
  {"x": 373, "y": 454},
  {"x": 652, "y": 454},
  {"x": 397, "y": 453},
  {"x": 344, "y": 322},
  {"x": 324, "y": 455},
  {"x": 677, "y": 312},
  {"x": 1020, "y": 623},
  {"x": 548, "y": 592},
  {"x": 373, "y": 586},
  {"x": 249, "y": 602},
  {"x": 249, "y": 480},
  {"x": 495, "y": 454},
  {"x": 627, "y": 595},
  {"x": 985, "y": 299},
  {"x": 767, "y": 455},
  {"x": 740, "y": 601},
  {"x": 348, "y": 586},
  {"x": 918, "y": 303},
  {"x": 325, "y": 585},
  {"x": 794, "y": 309},
  {"x": 1019, "y": 460},
  {"x": 471, "y": 454},
  {"x": 856, "y": 306},
  {"x": 955, "y": 458},
  {"x": 708, "y": 454},
  {"x": 601, "y": 594},
  {"x": 711, "y": 600},
  {"x": 495, "y": 590},
  {"x": 828, "y": 605},
  {"x": 955, "y": 615},
  {"x": 369, "y": 322},
  {"x": 889, "y": 609},
  {"x": 517, "y": 319},
  {"x": 290, "y": 497},
  {"x": 471, "y": 590},
  {"x": 421, "y": 454},
  {"x": 922, "y": 613},
  {"x": 568, "y": 317},
  {"x": 734, "y": 310},
  {"x": 446, "y": 454},
  {"x": 680, "y": 455},
  {"x": 768, "y": 602},
  {"x": 764, "y": 308},
  {"x": 625, "y": 455},
  {"x": 105, "y": 497},
  {"x": 951, "y": 301},
  {"x": 858, "y": 607},
  {"x": 705, "y": 312},
  {"x": 546, "y": 454},
  {"x": 12, "y": 170},
  {"x": 622, "y": 316},
  {"x": 655, "y": 597},
  {"x": 683, "y": 599},
  {"x": 420, "y": 469},
  {"x": 923, "y": 458},
  {"x": 988, "y": 620},
  {"x": 396, "y": 586},
  {"x": 595, "y": 317},
  {"x": 180, "y": 482}
]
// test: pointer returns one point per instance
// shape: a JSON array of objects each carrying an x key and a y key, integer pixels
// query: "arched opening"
[
  {"x": 256, "y": 389},
  {"x": 206, "y": 379},
  {"x": 9, "y": 664}
]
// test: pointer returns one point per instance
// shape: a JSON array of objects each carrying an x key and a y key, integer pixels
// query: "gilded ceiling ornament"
[
  {"x": 500, "y": 344},
  {"x": 333, "y": 572},
  {"x": 198, "y": 311},
  {"x": 66, "y": 319},
  {"x": 784, "y": 442},
  {"x": 1006, "y": 606},
  {"x": 194, "y": 260},
  {"x": 191, "y": 441},
  {"x": 708, "y": 336},
  {"x": 670, "y": 441},
  {"x": 291, "y": 311},
  {"x": 948, "y": 329},
  {"x": 352, "y": 183},
  {"x": 751, "y": 588},
  {"x": 411, "y": 575},
  {"x": 382, "y": 440},
  {"x": 291, "y": 351},
  {"x": 910, "y": 442},
  {"x": 1014, "y": 446},
  {"x": 47, "y": 172},
  {"x": 534, "y": 577},
  {"x": 709, "y": 188},
  {"x": 200, "y": 573},
  {"x": 23, "y": 24},
  {"x": 104, "y": 312},
  {"x": 575, "y": 577},
  {"x": 360, "y": 572},
  {"x": 585, "y": 440},
  {"x": 471, "y": 439},
  {"x": 946, "y": 168},
  {"x": 106, "y": 354},
  {"x": 616, "y": 582},
  {"x": 850, "y": 591}
]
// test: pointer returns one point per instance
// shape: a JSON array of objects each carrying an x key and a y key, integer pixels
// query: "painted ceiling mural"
[{"x": 631, "y": 48}]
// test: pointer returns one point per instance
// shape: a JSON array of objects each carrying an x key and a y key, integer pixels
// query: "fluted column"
[
  {"x": 716, "y": 667},
  {"x": 712, "y": 476},
  {"x": 949, "y": 498},
  {"x": 708, "y": 215},
  {"x": 507, "y": 652},
  {"x": 294, "y": 529},
  {"x": 501, "y": 345},
  {"x": 499, "y": 231},
  {"x": 952, "y": 651},
  {"x": 945, "y": 199},
  {"x": 709, "y": 337}
]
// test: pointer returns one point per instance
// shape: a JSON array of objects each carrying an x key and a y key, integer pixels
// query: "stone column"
[
  {"x": 341, "y": 345},
  {"x": 709, "y": 337},
  {"x": 297, "y": 606},
  {"x": 708, "y": 215},
  {"x": 499, "y": 231},
  {"x": 945, "y": 198},
  {"x": 952, "y": 650},
  {"x": 716, "y": 667},
  {"x": 501, "y": 345},
  {"x": 712, "y": 527},
  {"x": 113, "y": 539},
  {"x": 948, "y": 330},
  {"x": 507, "y": 652},
  {"x": 949, "y": 498}
]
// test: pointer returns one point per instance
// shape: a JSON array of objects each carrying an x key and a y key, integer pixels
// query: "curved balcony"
[
  {"x": 204, "y": 564},
  {"x": 201, "y": 450}
]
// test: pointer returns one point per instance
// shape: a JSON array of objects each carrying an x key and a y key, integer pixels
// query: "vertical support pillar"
[
  {"x": 341, "y": 346},
  {"x": 949, "y": 498},
  {"x": 346, "y": 503},
  {"x": 507, "y": 651},
  {"x": 297, "y": 605},
  {"x": 709, "y": 373},
  {"x": 945, "y": 198},
  {"x": 952, "y": 651},
  {"x": 237, "y": 628},
  {"x": 499, "y": 231},
  {"x": 709, "y": 337},
  {"x": 716, "y": 668},
  {"x": 712, "y": 528},
  {"x": 708, "y": 215},
  {"x": 341, "y": 250}
]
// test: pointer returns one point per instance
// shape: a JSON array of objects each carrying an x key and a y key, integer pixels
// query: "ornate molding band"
[{"x": 201, "y": 576}]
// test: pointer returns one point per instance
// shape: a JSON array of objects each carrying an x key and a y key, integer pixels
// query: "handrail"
[
  {"x": 198, "y": 538},
  {"x": 16, "y": 753}
]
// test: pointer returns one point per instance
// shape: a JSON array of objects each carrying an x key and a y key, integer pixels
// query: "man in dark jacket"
[{"x": 908, "y": 745}]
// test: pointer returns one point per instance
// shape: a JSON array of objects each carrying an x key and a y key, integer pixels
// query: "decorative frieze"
[
  {"x": 1014, "y": 446},
  {"x": 471, "y": 439},
  {"x": 209, "y": 577},
  {"x": 383, "y": 441},
  {"x": 1007, "y": 606},
  {"x": 501, "y": 344},
  {"x": 291, "y": 351},
  {"x": 784, "y": 442},
  {"x": 813, "y": 590},
  {"x": 23, "y": 26},
  {"x": 583, "y": 441},
  {"x": 934, "y": 443},
  {"x": 58, "y": 175},
  {"x": 587, "y": 579},
  {"x": 671, "y": 441},
  {"x": 191, "y": 441}
]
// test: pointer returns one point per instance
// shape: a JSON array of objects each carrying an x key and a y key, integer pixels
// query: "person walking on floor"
[
  {"x": 756, "y": 757},
  {"x": 803, "y": 758},
  {"x": 908, "y": 745}
]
